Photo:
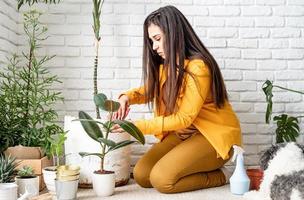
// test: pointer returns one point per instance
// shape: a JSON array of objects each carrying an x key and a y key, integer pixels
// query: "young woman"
[{"x": 193, "y": 119}]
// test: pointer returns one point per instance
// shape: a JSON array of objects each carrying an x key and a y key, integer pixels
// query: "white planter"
[
  {"x": 31, "y": 184},
  {"x": 66, "y": 190},
  {"x": 78, "y": 141},
  {"x": 8, "y": 191},
  {"x": 49, "y": 176},
  {"x": 104, "y": 184}
]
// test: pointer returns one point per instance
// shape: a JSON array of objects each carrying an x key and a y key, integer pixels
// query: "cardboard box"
[{"x": 37, "y": 165}]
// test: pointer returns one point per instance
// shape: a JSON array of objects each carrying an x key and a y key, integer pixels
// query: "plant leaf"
[
  {"x": 99, "y": 100},
  {"x": 267, "y": 88},
  {"x": 287, "y": 128},
  {"x": 90, "y": 127},
  {"x": 121, "y": 144},
  {"x": 83, "y": 154},
  {"x": 107, "y": 142},
  {"x": 131, "y": 129}
]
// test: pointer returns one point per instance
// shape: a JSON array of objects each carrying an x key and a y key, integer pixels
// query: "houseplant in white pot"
[
  {"x": 8, "y": 189},
  {"x": 57, "y": 152},
  {"x": 103, "y": 180},
  {"x": 26, "y": 178}
]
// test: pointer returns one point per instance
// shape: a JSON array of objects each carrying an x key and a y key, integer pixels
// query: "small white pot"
[
  {"x": 8, "y": 191},
  {"x": 25, "y": 183},
  {"x": 103, "y": 184},
  {"x": 49, "y": 176}
]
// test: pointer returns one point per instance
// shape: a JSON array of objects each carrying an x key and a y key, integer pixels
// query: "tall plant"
[
  {"x": 97, "y": 5},
  {"x": 31, "y": 2},
  {"x": 26, "y": 90},
  {"x": 287, "y": 126}
]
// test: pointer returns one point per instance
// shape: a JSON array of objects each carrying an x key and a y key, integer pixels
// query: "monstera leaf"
[
  {"x": 267, "y": 88},
  {"x": 287, "y": 128}
]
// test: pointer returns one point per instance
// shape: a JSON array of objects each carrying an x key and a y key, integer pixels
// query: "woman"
[{"x": 193, "y": 119}]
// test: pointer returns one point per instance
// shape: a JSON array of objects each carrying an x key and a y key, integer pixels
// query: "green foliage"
[
  {"x": 56, "y": 146},
  {"x": 97, "y": 5},
  {"x": 93, "y": 129},
  {"x": 32, "y": 2},
  {"x": 26, "y": 171},
  {"x": 7, "y": 169},
  {"x": 287, "y": 126},
  {"x": 27, "y": 116}
]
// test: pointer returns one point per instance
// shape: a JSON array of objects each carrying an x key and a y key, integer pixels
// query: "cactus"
[{"x": 7, "y": 169}]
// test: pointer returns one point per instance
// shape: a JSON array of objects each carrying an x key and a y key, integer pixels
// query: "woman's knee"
[
  {"x": 161, "y": 181},
  {"x": 141, "y": 174}
]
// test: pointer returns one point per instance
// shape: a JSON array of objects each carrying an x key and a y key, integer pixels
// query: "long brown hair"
[{"x": 180, "y": 42}]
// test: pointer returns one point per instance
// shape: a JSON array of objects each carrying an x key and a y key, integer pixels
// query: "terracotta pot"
[{"x": 256, "y": 177}]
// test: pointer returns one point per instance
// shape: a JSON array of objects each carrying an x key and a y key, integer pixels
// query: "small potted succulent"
[
  {"x": 26, "y": 178},
  {"x": 103, "y": 180},
  {"x": 8, "y": 189}
]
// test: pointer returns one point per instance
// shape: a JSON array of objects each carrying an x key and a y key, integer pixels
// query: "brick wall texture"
[{"x": 252, "y": 40}]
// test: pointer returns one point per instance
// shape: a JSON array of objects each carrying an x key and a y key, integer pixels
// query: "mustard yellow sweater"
[{"x": 221, "y": 127}]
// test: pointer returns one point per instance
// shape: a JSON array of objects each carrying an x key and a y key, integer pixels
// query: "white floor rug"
[{"x": 134, "y": 192}]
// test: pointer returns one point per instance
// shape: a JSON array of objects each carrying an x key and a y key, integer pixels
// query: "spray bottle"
[{"x": 239, "y": 181}]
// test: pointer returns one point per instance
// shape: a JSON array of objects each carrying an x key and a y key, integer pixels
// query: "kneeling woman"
[{"x": 193, "y": 119}]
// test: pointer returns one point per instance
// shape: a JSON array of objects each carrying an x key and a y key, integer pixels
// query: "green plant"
[
  {"x": 287, "y": 126},
  {"x": 7, "y": 169},
  {"x": 56, "y": 147},
  {"x": 25, "y": 172},
  {"x": 93, "y": 130},
  {"x": 31, "y": 2},
  {"x": 26, "y": 92},
  {"x": 97, "y": 5}
]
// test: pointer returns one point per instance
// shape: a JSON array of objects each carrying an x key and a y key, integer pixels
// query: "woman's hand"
[
  {"x": 124, "y": 108},
  {"x": 116, "y": 129}
]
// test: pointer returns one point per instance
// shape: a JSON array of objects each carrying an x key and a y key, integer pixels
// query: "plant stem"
[
  {"x": 283, "y": 88},
  {"x": 95, "y": 74},
  {"x": 300, "y": 116}
]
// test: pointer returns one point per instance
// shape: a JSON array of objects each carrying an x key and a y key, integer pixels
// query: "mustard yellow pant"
[{"x": 175, "y": 165}]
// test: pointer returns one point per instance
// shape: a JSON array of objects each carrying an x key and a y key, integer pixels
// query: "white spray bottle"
[{"x": 239, "y": 181}]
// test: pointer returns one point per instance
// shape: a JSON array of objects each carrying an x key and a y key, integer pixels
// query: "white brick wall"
[
  {"x": 251, "y": 40},
  {"x": 8, "y": 29}
]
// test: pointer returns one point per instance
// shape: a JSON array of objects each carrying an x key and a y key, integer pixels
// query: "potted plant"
[
  {"x": 26, "y": 178},
  {"x": 8, "y": 189},
  {"x": 57, "y": 152},
  {"x": 31, "y": 2},
  {"x": 287, "y": 127},
  {"x": 28, "y": 99},
  {"x": 103, "y": 180}
]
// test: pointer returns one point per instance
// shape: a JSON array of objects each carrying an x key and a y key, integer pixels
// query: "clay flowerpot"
[{"x": 256, "y": 177}]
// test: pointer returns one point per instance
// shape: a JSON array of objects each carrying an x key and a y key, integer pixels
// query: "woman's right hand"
[{"x": 124, "y": 108}]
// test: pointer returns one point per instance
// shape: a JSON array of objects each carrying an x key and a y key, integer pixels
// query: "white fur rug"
[{"x": 134, "y": 192}]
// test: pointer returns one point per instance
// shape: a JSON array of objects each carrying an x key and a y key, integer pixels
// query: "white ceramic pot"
[
  {"x": 77, "y": 141},
  {"x": 66, "y": 190},
  {"x": 49, "y": 176},
  {"x": 8, "y": 191},
  {"x": 104, "y": 184},
  {"x": 24, "y": 183}
]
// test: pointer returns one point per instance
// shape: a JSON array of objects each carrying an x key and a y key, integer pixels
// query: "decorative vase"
[
  {"x": 104, "y": 183},
  {"x": 77, "y": 141},
  {"x": 256, "y": 177}
]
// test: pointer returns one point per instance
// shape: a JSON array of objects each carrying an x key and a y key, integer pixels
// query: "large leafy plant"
[
  {"x": 26, "y": 94},
  {"x": 100, "y": 135},
  {"x": 287, "y": 126}
]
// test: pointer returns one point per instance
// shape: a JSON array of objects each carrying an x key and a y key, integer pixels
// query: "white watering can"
[{"x": 8, "y": 191}]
